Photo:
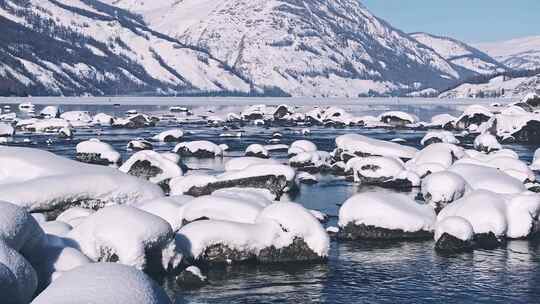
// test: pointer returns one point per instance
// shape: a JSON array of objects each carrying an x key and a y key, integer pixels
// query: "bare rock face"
[{"x": 363, "y": 232}]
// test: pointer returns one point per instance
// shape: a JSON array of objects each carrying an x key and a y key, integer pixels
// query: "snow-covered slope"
[
  {"x": 309, "y": 47},
  {"x": 499, "y": 86},
  {"x": 460, "y": 54},
  {"x": 519, "y": 54},
  {"x": 87, "y": 47}
]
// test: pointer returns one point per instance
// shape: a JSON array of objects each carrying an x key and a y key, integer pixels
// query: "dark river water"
[{"x": 363, "y": 272}]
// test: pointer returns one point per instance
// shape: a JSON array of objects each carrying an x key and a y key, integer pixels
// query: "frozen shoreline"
[{"x": 242, "y": 101}]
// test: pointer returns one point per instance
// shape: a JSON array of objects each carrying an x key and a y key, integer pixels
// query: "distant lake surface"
[{"x": 360, "y": 272}]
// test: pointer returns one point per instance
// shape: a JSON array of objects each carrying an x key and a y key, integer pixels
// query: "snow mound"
[
  {"x": 97, "y": 152},
  {"x": 513, "y": 216},
  {"x": 77, "y": 116},
  {"x": 123, "y": 233},
  {"x": 18, "y": 229},
  {"x": 397, "y": 118},
  {"x": 441, "y": 188},
  {"x": 504, "y": 162},
  {"x": 241, "y": 163},
  {"x": 24, "y": 273},
  {"x": 387, "y": 210},
  {"x": 63, "y": 182},
  {"x": 103, "y": 119},
  {"x": 169, "y": 208},
  {"x": 152, "y": 166},
  {"x": 482, "y": 177},
  {"x": 363, "y": 146},
  {"x": 73, "y": 215},
  {"x": 374, "y": 169},
  {"x": 169, "y": 135},
  {"x": 104, "y": 283},
  {"x": 455, "y": 226},
  {"x": 300, "y": 146},
  {"x": 217, "y": 207},
  {"x": 486, "y": 143}
]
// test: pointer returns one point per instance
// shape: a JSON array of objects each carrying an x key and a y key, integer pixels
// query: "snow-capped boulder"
[
  {"x": 65, "y": 132},
  {"x": 473, "y": 115},
  {"x": 397, "y": 118},
  {"x": 103, "y": 119},
  {"x": 139, "y": 145},
  {"x": 306, "y": 178},
  {"x": 94, "y": 151},
  {"x": 24, "y": 274},
  {"x": 453, "y": 234},
  {"x": 6, "y": 130},
  {"x": 482, "y": 177},
  {"x": 524, "y": 128},
  {"x": 64, "y": 183},
  {"x": 126, "y": 235},
  {"x": 439, "y": 137},
  {"x": 300, "y": 146},
  {"x": 282, "y": 111},
  {"x": 104, "y": 283},
  {"x": 199, "y": 149},
  {"x": 43, "y": 125},
  {"x": 151, "y": 166},
  {"x": 360, "y": 145},
  {"x": 135, "y": 121},
  {"x": 172, "y": 135},
  {"x": 441, "y": 188},
  {"x": 512, "y": 216},
  {"x": 381, "y": 171},
  {"x": 503, "y": 161},
  {"x": 273, "y": 177},
  {"x": 9, "y": 286},
  {"x": 311, "y": 161},
  {"x": 50, "y": 112},
  {"x": 443, "y": 121},
  {"x": 77, "y": 117},
  {"x": 283, "y": 232},
  {"x": 486, "y": 143},
  {"x": 19, "y": 230},
  {"x": 257, "y": 150},
  {"x": 376, "y": 215}
]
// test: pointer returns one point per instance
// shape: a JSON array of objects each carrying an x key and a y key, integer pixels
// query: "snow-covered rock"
[
  {"x": 364, "y": 146},
  {"x": 536, "y": 160},
  {"x": 512, "y": 216},
  {"x": 24, "y": 274},
  {"x": 311, "y": 161},
  {"x": 473, "y": 115},
  {"x": 126, "y": 235},
  {"x": 381, "y": 171},
  {"x": 397, "y": 118},
  {"x": 434, "y": 158},
  {"x": 172, "y": 135},
  {"x": 283, "y": 232},
  {"x": 306, "y": 178},
  {"x": 78, "y": 117},
  {"x": 453, "y": 234},
  {"x": 199, "y": 149},
  {"x": 63, "y": 182},
  {"x": 241, "y": 163},
  {"x": 482, "y": 177},
  {"x": 376, "y": 215},
  {"x": 6, "y": 130},
  {"x": 257, "y": 150},
  {"x": 439, "y": 137},
  {"x": 94, "y": 151},
  {"x": 486, "y": 143},
  {"x": 216, "y": 207},
  {"x": 441, "y": 188},
  {"x": 139, "y": 145},
  {"x": 170, "y": 208},
  {"x": 152, "y": 166},
  {"x": 300, "y": 146},
  {"x": 103, "y": 119},
  {"x": 50, "y": 112},
  {"x": 104, "y": 283}
]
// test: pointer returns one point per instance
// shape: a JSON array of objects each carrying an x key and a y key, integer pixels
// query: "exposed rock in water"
[
  {"x": 275, "y": 184},
  {"x": 449, "y": 244},
  {"x": 475, "y": 119},
  {"x": 530, "y": 133},
  {"x": 256, "y": 154},
  {"x": 298, "y": 251},
  {"x": 191, "y": 278},
  {"x": 92, "y": 158},
  {"x": 364, "y": 232}
]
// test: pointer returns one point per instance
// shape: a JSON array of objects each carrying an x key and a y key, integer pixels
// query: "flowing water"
[{"x": 362, "y": 272}]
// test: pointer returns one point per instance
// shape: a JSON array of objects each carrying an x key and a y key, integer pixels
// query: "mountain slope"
[
  {"x": 74, "y": 47},
  {"x": 519, "y": 54},
  {"x": 460, "y": 54},
  {"x": 305, "y": 47}
]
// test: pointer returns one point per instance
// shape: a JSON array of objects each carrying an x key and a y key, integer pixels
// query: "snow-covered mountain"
[
  {"x": 461, "y": 54},
  {"x": 519, "y": 54},
  {"x": 74, "y": 47},
  {"x": 500, "y": 86},
  {"x": 304, "y": 47}
]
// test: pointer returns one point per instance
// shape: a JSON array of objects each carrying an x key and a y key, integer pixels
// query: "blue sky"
[{"x": 467, "y": 20}]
